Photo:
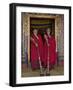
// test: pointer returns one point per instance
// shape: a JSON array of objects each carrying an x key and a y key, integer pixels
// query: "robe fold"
[
  {"x": 35, "y": 52},
  {"x": 50, "y": 51}
]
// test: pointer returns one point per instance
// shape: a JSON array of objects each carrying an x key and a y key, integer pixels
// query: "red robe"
[
  {"x": 35, "y": 52},
  {"x": 50, "y": 51}
]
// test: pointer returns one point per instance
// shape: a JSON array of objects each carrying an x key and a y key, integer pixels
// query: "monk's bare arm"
[
  {"x": 46, "y": 39},
  {"x": 33, "y": 41}
]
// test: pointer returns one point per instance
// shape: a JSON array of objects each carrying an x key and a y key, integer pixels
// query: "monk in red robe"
[
  {"x": 36, "y": 50},
  {"x": 49, "y": 50}
]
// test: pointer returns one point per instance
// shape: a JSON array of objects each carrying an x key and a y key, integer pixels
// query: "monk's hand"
[
  {"x": 36, "y": 45},
  {"x": 39, "y": 57}
]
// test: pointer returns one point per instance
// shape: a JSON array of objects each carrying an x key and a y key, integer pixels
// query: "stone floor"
[{"x": 28, "y": 72}]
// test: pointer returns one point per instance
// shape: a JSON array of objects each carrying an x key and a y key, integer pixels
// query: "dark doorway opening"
[{"x": 42, "y": 24}]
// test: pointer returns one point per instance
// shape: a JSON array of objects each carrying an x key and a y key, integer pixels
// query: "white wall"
[{"x": 4, "y": 45}]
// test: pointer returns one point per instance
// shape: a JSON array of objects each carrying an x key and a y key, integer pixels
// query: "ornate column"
[
  {"x": 25, "y": 38},
  {"x": 59, "y": 35}
]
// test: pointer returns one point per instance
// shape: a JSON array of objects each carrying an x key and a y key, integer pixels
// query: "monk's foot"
[
  {"x": 47, "y": 74},
  {"x": 41, "y": 74}
]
